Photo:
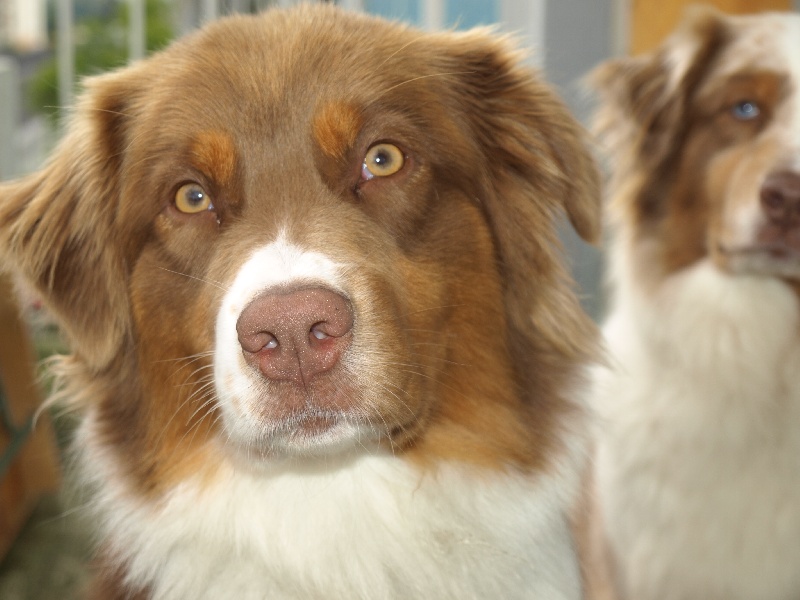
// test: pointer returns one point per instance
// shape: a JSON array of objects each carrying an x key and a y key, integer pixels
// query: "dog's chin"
[
  {"x": 765, "y": 260},
  {"x": 305, "y": 436}
]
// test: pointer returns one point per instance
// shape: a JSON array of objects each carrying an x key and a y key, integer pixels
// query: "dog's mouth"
[
  {"x": 270, "y": 430},
  {"x": 305, "y": 425},
  {"x": 312, "y": 425},
  {"x": 777, "y": 258},
  {"x": 312, "y": 433},
  {"x": 781, "y": 253}
]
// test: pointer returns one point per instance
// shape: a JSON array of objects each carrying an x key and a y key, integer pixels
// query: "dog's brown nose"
[
  {"x": 295, "y": 335},
  {"x": 780, "y": 198}
]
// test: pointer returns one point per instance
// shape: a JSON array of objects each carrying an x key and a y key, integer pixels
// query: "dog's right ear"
[{"x": 59, "y": 229}]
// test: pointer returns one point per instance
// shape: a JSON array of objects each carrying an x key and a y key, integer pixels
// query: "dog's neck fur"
[
  {"x": 702, "y": 414},
  {"x": 373, "y": 527}
]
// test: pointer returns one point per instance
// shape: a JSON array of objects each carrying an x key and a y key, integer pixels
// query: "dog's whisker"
[
  {"x": 432, "y": 75},
  {"x": 205, "y": 385},
  {"x": 201, "y": 371},
  {"x": 191, "y": 358},
  {"x": 195, "y": 377},
  {"x": 216, "y": 284},
  {"x": 430, "y": 308},
  {"x": 399, "y": 50}
]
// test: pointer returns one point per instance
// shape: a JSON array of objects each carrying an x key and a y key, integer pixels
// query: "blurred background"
[{"x": 46, "y": 46}]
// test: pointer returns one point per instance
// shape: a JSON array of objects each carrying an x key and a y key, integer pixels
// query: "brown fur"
[
  {"x": 213, "y": 152},
  {"x": 464, "y": 263},
  {"x": 336, "y": 127}
]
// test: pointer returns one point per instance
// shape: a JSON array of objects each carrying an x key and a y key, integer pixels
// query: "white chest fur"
[
  {"x": 698, "y": 465},
  {"x": 374, "y": 528}
]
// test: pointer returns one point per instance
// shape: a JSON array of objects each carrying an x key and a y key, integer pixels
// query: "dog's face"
[
  {"x": 711, "y": 137},
  {"x": 301, "y": 232}
]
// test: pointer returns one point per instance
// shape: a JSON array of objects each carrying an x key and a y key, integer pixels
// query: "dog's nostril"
[
  {"x": 318, "y": 333},
  {"x": 295, "y": 335},
  {"x": 780, "y": 198},
  {"x": 337, "y": 326},
  {"x": 772, "y": 200},
  {"x": 262, "y": 340}
]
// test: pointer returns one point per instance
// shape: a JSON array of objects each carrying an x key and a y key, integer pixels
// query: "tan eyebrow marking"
[
  {"x": 336, "y": 127},
  {"x": 213, "y": 153}
]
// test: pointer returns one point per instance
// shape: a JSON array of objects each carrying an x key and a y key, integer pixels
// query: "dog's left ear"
[
  {"x": 536, "y": 151},
  {"x": 59, "y": 226},
  {"x": 642, "y": 113},
  {"x": 538, "y": 165}
]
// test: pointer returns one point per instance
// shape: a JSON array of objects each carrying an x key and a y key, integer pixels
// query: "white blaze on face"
[
  {"x": 770, "y": 45},
  {"x": 242, "y": 392}
]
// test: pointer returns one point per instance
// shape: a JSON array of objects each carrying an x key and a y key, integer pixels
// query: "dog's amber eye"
[
  {"x": 191, "y": 198},
  {"x": 382, "y": 160}
]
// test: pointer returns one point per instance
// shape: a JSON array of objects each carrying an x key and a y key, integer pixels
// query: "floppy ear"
[
  {"x": 58, "y": 228},
  {"x": 526, "y": 132},
  {"x": 537, "y": 166},
  {"x": 644, "y": 100}
]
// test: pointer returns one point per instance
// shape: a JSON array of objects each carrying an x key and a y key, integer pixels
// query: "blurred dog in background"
[{"x": 697, "y": 477}]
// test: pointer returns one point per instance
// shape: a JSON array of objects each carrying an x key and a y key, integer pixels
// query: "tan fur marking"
[
  {"x": 336, "y": 126},
  {"x": 214, "y": 154}
]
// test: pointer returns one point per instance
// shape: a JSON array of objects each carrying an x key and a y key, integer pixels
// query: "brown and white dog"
[
  {"x": 322, "y": 336},
  {"x": 698, "y": 460}
]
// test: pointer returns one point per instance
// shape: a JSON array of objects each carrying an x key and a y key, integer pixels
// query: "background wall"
[
  {"x": 578, "y": 36},
  {"x": 652, "y": 21}
]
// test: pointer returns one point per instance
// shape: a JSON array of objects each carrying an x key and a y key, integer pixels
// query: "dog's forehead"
[
  {"x": 271, "y": 90},
  {"x": 268, "y": 56},
  {"x": 250, "y": 77},
  {"x": 769, "y": 41}
]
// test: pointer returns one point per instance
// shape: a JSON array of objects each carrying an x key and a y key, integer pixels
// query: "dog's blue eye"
[{"x": 745, "y": 111}]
